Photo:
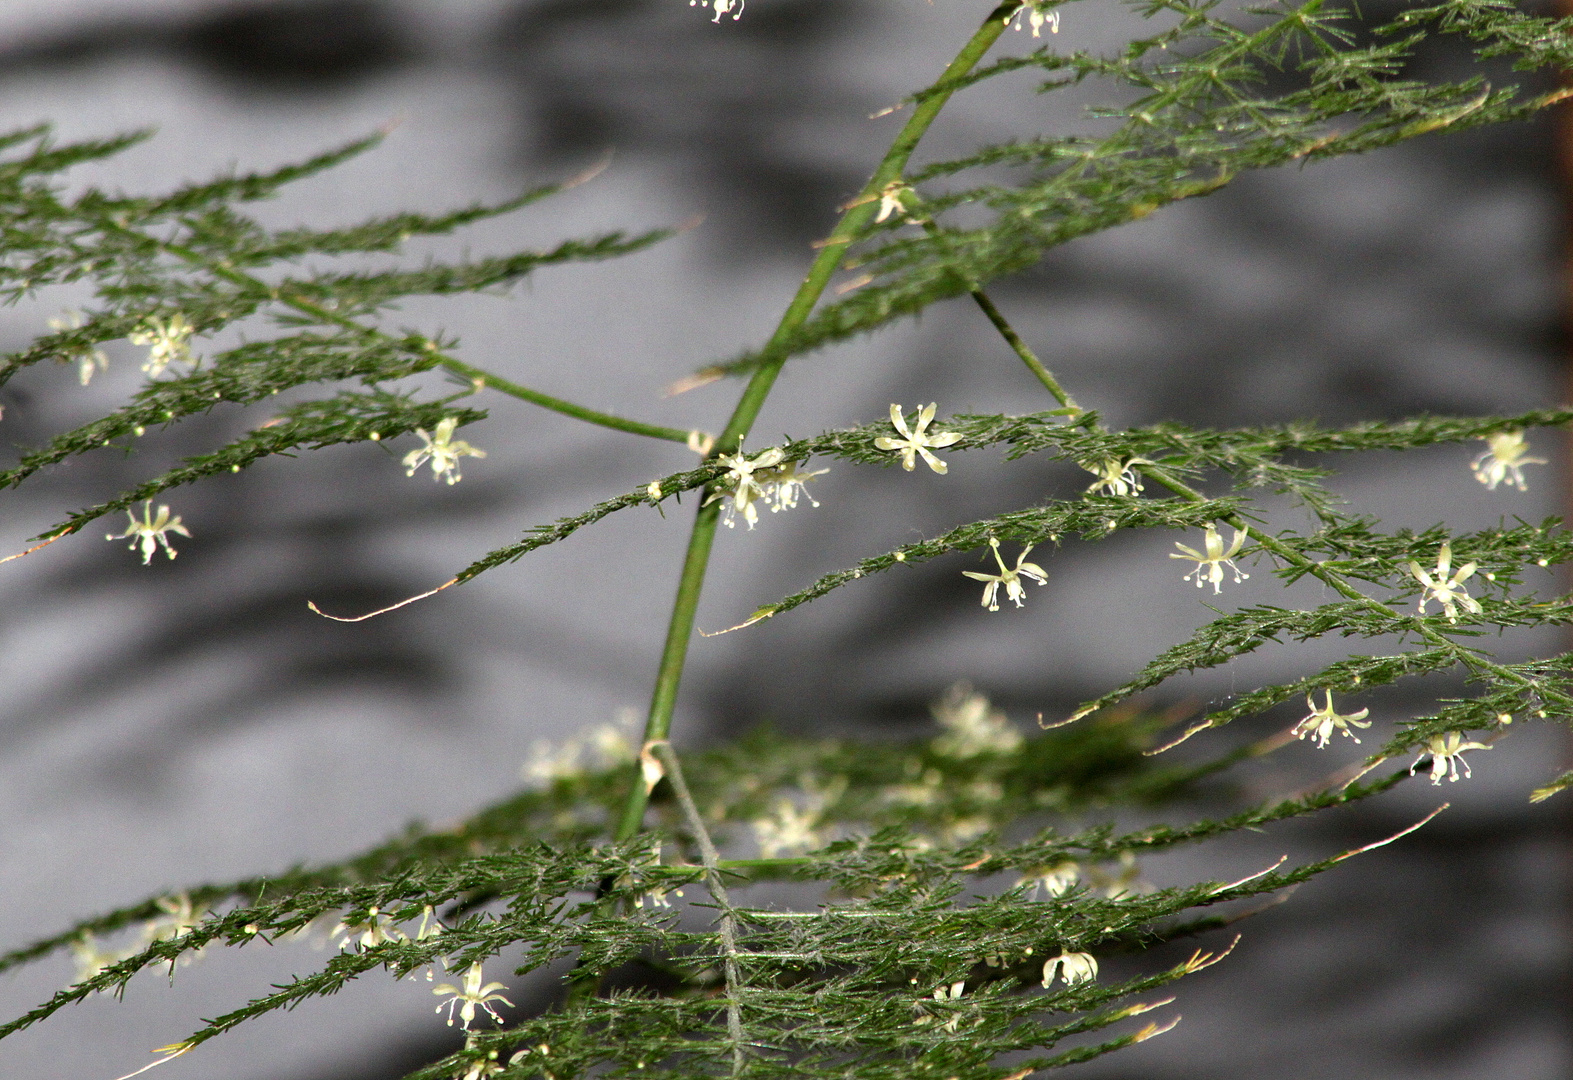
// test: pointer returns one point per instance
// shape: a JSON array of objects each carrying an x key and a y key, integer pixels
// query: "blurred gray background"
[{"x": 191, "y": 721}]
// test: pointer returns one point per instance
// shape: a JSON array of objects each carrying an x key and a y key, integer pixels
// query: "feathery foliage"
[{"x": 951, "y": 899}]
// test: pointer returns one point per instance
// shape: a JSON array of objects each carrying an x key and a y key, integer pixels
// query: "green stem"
[
  {"x": 567, "y": 408},
  {"x": 856, "y": 218},
  {"x": 1476, "y": 663},
  {"x": 475, "y": 374},
  {"x": 1019, "y": 347}
]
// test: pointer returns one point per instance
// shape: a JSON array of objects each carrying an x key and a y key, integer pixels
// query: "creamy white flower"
[
  {"x": 1447, "y": 591},
  {"x": 443, "y": 450},
  {"x": 1504, "y": 460},
  {"x": 180, "y": 917},
  {"x": 1322, "y": 721},
  {"x": 891, "y": 200},
  {"x": 1209, "y": 567},
  {"x": 168, "y": 342},
  {"x": 1116, "y": 477},
  {"x": 784, "y": 483},
  {"x": 972, "y": 727},
  {"x": 481, "y": 1068},
  {"x": 1056, "y": 880},
  {"x": 1127, "y": 881},
  {"x": 740, "y": 487},
  {"x": 151, "y": 531},
  {"x": 91, "y": 957},
  {"x": 1072, "y": 968},
  {"x": 786, "y": 829},
  {"x": 87, "y": 361},
  {"x": 1036, "y": 18},
  {"x": 474, "y": 995},
  {"x": 722, "y": 7},
  {"x": 1008, "y": 577},
  {"x": 918, "y": 439},
  {"x": 369, "y": 932},
  {"x": 1447, "y": 756},
  {"x": 950, "y": 993}
]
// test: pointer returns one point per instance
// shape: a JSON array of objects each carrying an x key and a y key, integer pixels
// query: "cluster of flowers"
[
  {"x": 764, "y": 477},
  {"x": 179, "y": 916}
]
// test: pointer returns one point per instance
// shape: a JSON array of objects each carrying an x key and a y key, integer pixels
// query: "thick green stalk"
[{"x": 859, "y": 212}]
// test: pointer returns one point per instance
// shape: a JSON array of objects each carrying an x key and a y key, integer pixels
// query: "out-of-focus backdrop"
[{"x": 192, "y": 721}]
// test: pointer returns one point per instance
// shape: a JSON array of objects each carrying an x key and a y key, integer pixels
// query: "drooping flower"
[
  {"x": 784, "y": 483},
  {"x": 481, "y": 1068},
  {"x": 1504, "y": 460},
  {"x": 1447, "y": 591},
  {"x": 1447, "y": 756},
  {"x": 1008, "y": 577},
  {"x": 168, "y": 341},
  {"x": 443, "y": 450},
  {"x": 1072, "y": 969},
  {"x": 1116, "y": 477},
  {"x": 1209, "y": 567},
  {"x": 88, "y": 360},
  {"x": 375, "y": 929},
  {"x": 151, "y": 531},
  {"x": 1036, "y": 18},
  {"x": 786, "y": 829},
  {"x": 1056, "y": 880},
  {"x": 917, "y": 440},
  {"x": 1125, "y": 881},
  {"x": 91, "y": 957},
  {"x": 972, "y": 727},
  {"x": 722, "y": 7},
  {"x": 1322, "y": 721},
  {"x": 892, "y": 200},
  {"x": 740, "y": 487},
  {"x": 474, "y": 995}
]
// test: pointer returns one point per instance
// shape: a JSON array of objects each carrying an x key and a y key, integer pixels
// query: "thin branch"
[{"x": 712, "y": 864}]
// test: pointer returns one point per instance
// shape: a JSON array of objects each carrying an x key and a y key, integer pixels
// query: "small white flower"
[
  {"x": 972, "y": 727},
  {"x": 1116, "y": 477},
  {"x": 1036, "y": 18},
  {"x": 88, "y": 361},
  {"x": 784, "y": 483},
  {"x": 91, "y": 957},
  {"x": 740, "y": 487},
  {"x": 786, "y": 829},
  {"x": 1504, "y": 460},
  {"x": 891, "y": 200},
  {"x": 1449, "y": 592},
  {"x": 1056, "y": 880},
  {"x": 1446, "y": 756},
  {"x": 151, "y": 531},
  {"x": 474, "y": 995},
  {"x": 722, "y": 7},
  {"x": 179, "y": 919},
  {"x": 1010, "y": 578},
  {"x": 917, "y": 440},
  {"x": 481, "y": 1068},
  {"x": 1323, "y": 720},
  {"x": 168, "y": 342},
  {"x": 443, "y": 451},
  {"x": 1127, "y": 881},
  {"x": 1215, "y": 560},
  {"x": 950, "y": 993},
  {"x": 1072, "y": 968},
  {"x": 370, "y": 932}
]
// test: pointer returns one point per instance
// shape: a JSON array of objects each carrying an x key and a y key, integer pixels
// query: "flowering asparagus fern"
[{"x": 962, "y": 916}]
